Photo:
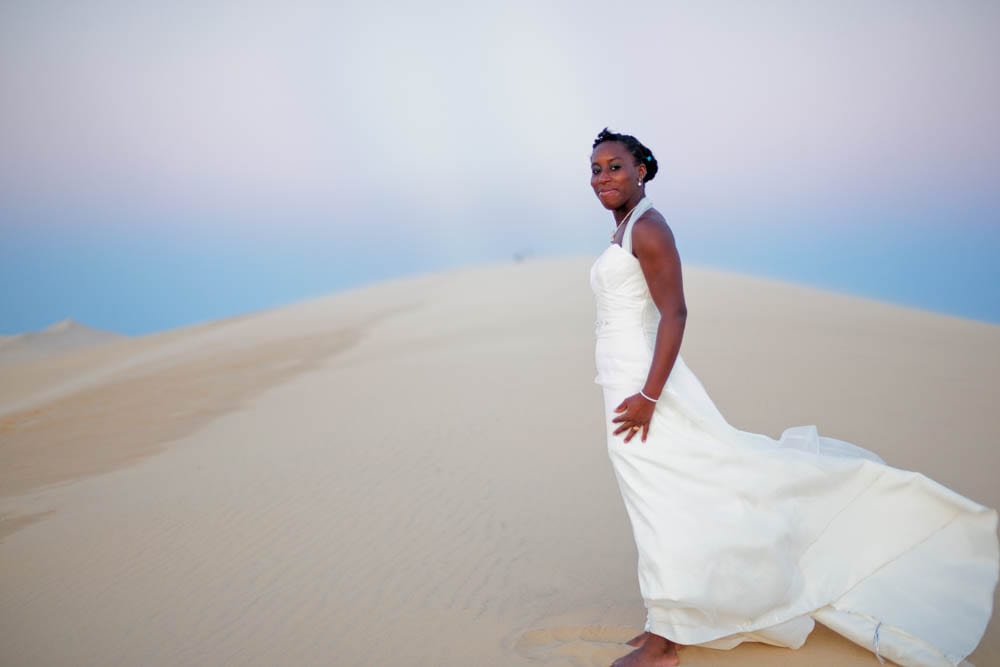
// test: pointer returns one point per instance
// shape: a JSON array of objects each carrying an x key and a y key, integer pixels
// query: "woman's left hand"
[{"x": 634, "y": 414}]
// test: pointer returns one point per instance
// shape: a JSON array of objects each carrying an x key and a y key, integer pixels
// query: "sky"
[{"x": 163, "y": 164}]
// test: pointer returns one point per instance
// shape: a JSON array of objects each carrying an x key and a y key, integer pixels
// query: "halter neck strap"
[{"x": 640, "y": 208}]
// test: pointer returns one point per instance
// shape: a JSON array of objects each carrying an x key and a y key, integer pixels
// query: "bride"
[{"x": 744, "y": 538}]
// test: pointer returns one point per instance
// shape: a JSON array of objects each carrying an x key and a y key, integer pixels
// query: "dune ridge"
[
  {"x": 414, "y": 472},
  {"x": 63, "y": 337}
]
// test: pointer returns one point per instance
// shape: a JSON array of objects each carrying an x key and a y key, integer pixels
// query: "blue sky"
[{"x": 167, "y": 164}]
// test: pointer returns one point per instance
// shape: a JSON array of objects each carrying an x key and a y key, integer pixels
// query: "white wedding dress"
[{"x": 745, "y": 538}]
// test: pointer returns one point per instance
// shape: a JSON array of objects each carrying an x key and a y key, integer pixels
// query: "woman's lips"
[{"x": 605, "y": 193}]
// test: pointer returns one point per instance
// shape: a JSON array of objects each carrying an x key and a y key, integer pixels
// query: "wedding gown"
[{"x": 745, "y": 538}]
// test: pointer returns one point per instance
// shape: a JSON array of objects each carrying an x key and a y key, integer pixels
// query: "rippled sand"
[{"x": 414, "y": 473}]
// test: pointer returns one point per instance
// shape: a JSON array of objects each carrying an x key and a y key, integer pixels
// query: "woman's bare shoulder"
[{"x": 651, "y": 232}]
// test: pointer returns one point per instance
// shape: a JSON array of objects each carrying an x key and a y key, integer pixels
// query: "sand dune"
[
  {"x": 414, "y": 473},
  {"x": 60, "y": 338}
]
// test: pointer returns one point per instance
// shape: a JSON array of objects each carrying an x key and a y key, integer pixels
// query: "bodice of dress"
[
  {"x": 623, "y": 299},
  {"x": 626, "y": 327},
  {"x": 622, "y": 296},
  {"x": 627, "y": 318}
]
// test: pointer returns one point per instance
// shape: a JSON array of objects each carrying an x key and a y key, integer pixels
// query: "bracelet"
[{"x": 651, "y": 400}]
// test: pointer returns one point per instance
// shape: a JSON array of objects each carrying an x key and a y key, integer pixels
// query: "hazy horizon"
[{"x": 161, "y": 166}]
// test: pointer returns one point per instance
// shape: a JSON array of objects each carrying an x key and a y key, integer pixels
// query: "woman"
[{"x": 744, "y": 538}]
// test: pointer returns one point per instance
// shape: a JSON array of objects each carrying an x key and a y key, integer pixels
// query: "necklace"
[{"x": 624, "y": 220}]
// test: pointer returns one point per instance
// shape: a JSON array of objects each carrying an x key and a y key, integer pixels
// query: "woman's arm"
[{"x": 653, "y": 244}]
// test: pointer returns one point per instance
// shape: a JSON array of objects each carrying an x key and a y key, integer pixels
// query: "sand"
[
  {"x": 56, "y": 340},
  {"x": 414, "y": 473}
]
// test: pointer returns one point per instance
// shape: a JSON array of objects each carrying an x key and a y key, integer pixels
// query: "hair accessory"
[{"x": 649, "y": 158}]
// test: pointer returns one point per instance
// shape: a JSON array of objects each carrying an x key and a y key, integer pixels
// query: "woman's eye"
[
  {"x": 595, "y": 170},
  {"x": 615, "y": 167}
]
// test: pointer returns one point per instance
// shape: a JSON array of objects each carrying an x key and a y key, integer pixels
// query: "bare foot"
[
  {"x": 638, "y": 640},
  {"x": 654, "y": 651}
]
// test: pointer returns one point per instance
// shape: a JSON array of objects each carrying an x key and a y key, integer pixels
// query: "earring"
[{"x": 639, "y": 182}]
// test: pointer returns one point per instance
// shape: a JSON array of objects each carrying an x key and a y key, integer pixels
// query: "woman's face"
[{"x": 614, "y": 175}]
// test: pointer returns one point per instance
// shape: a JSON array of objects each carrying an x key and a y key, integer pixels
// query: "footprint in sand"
[{"x": 579, "y": 645}]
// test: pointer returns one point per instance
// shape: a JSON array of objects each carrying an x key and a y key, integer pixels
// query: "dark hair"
[{"x": 641, "y": 154}]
